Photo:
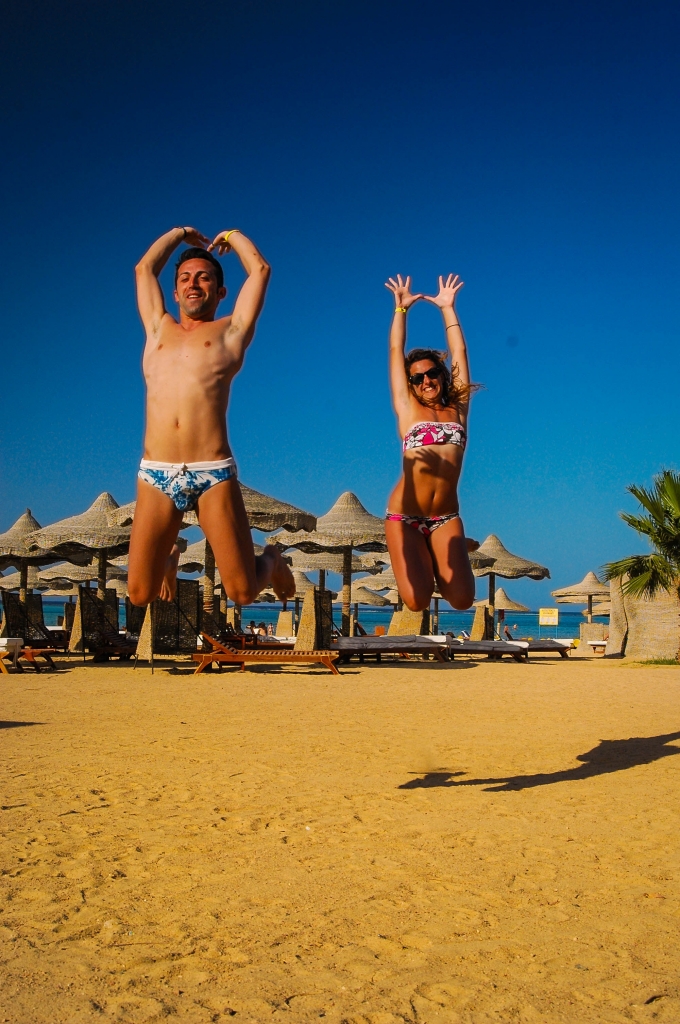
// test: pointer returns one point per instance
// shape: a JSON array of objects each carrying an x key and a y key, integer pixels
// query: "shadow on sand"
[
  {"x": 17, "y": 725},
  {"x": 608, "y": 756}
]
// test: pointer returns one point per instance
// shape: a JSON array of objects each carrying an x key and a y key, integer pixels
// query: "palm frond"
[{"x": 647, "y": 574}]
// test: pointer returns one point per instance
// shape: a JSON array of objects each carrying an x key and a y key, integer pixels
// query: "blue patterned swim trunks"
[{"x": 185, "y": 482}]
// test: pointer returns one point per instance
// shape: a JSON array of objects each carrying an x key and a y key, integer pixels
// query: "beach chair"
[
  {"x": 349, "y": 646},
  {"x": 25, "y": 621},
  {"x": 95, "y": 626},
  {"x": 561, "y": 647},
  {"x": 221, "y": 654},
  {"x": 171, "y": 627},
  {"x": 493, "y": 649}
]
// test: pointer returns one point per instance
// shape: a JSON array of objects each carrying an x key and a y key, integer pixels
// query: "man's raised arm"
[
  {"x": 250, "y": 300},
  {"x": 149, "y": 294}
]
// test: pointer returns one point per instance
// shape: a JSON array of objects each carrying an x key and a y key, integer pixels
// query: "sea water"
[{"x": 521, "y": 624}]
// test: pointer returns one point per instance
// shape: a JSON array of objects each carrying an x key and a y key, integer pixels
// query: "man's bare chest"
[{"x": 199, "y": 354}]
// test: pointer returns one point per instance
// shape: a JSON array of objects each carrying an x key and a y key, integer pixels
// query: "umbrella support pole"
[
  {"x": 346, "y": 589},
  {"x": 23, "y": 581},
  {"x": 492, "y": 605},
  {"x": 209, "y": 580},
  {"x": 101, "y": 574},
  {"x": 590, "y": 607},
  {"x": 435, "y": 618}
]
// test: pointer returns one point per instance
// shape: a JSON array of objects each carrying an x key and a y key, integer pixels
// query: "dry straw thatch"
[
  {"x": 85, "y": 533},
  {"x": 13, "y": 542},
  {"x": 503, "y": 603},
  {"x": 13, "y": 580},
  {"x": 583, "y": 592},
  {"x": 364, "y": 595},
  {"x": 508, "y": 566},
  {"x": 332, "y": 561},
  {"x": 264, "y": 513},
  {"x": 345, "y": 527},
  {"x": 505, "y": 563},
  {"x": 589, "y": 586}
]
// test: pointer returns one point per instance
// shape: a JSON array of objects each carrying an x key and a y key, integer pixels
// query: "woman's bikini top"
[{"x": 423, "y": 434}]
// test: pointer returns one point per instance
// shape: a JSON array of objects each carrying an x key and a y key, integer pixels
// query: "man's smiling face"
[{"x": 196, "y": 290}]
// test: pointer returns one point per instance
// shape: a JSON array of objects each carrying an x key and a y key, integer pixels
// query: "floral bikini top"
[{"x": 423, "y": 434}]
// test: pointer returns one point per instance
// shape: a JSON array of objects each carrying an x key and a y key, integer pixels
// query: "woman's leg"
[
  {"x": 411, "y": 564},
  {"x": 452, "y": 565}
]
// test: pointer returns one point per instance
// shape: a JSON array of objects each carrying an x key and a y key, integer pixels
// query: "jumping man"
[{"x": 189, "y": 364}]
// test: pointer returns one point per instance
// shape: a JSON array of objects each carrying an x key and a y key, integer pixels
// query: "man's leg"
[
  {"x": 224, "y": 521},
  {"x": 152, "y": 563}
]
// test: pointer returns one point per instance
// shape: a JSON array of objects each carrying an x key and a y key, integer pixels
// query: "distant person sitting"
[
  {"x": 252, "y": 628},
  {"x": 261, "y": 629},
  {"x": 508, "y": 634}
]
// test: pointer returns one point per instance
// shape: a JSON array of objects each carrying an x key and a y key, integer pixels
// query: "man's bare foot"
[
  {"x": 472, "y": 545},
  {"x": 169, "y": 584},
  {"x": 282, "y": 580}
]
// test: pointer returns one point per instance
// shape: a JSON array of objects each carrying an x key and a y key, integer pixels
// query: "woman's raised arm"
[
  {"x": 455, "y": 339},
  {"x": 403, "y": 300}
]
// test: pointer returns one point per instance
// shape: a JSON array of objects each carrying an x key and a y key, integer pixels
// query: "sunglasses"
[{"x": 417, "y": 378}]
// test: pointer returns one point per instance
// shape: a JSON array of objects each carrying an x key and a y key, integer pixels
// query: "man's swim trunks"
[{"x": 184, "y": 482}]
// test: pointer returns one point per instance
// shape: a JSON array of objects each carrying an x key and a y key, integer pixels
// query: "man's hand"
[
  {"x": 194, "y": 237},
  {"x": 219, "y": 242},
  {"x": 447, "y": 292},
  {"x": 402, "y": 291}
]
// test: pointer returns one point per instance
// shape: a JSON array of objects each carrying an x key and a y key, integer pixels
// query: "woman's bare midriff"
[{"x": 429, "y": 485}]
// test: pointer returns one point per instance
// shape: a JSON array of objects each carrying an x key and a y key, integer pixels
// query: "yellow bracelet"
[
  {"x": 400, "y": 309},
  {"x": 226, "y": 237}
]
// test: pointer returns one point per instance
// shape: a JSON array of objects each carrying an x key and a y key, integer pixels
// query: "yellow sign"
[{"x": 548, "y": 616}]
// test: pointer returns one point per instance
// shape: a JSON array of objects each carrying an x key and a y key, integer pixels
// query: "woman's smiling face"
[{"x": 426, "y": 388}]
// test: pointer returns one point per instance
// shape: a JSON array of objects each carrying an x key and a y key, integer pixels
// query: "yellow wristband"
[
  {"x": 226, "y": 237},
  {"x": 400, "y": 309}
]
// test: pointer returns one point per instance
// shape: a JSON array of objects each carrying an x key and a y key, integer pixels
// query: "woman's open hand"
[
  {"x": 402, "y": 291},
  {"x": 448, "y": 291}
]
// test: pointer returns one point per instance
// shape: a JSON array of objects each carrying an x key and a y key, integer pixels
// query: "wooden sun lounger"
[
  {"x": 29, "y": 654},
  {"x": 347, "y": 646},
  {"x": 222, "y": 654},
  {"x": 494, "y": 649},
  {"x": 548, "y": 645}
]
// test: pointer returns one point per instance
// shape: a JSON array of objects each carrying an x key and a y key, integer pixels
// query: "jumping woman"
[{"x": 424, "y": 530}]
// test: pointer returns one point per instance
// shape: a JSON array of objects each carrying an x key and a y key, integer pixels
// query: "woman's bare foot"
[
  {"x": 169, "y": 584},
  {"x": 282, "y": 581},
  {"x": 472, "y": 545}
]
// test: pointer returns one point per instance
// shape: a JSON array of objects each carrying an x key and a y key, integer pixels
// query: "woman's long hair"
[{"x": 453, "y": 389}]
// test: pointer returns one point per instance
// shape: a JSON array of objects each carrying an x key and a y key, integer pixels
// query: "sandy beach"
[{"x": 408, "y": 843}]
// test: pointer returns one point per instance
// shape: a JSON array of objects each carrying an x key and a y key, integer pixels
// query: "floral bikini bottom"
[{"x": 424, "y": 524}]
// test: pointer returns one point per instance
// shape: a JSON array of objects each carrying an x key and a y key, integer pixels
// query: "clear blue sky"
[{"x": 530, "y": 147}]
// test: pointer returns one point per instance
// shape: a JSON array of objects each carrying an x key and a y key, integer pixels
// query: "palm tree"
[{"x": 659, "y": 570}]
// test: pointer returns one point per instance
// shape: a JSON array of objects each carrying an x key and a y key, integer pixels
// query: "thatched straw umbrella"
[
  {"x": 13, "y": 552},
  {"x": 585, "y": 591},
  {"x": 345, "y": 527},
  {"x": 503, "y": 604},
  {"x": 505, "y": 564},
  {"x": 64, "y": 575},
  {"x": 88, "y": 535},
  {"x": 264, "y": 513},
  {"x": 334, "y": 561},
  {"x": 363, "y": 595},
  {"x": 26, "y": 579},
  {"x": 604, "y": 608}
]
